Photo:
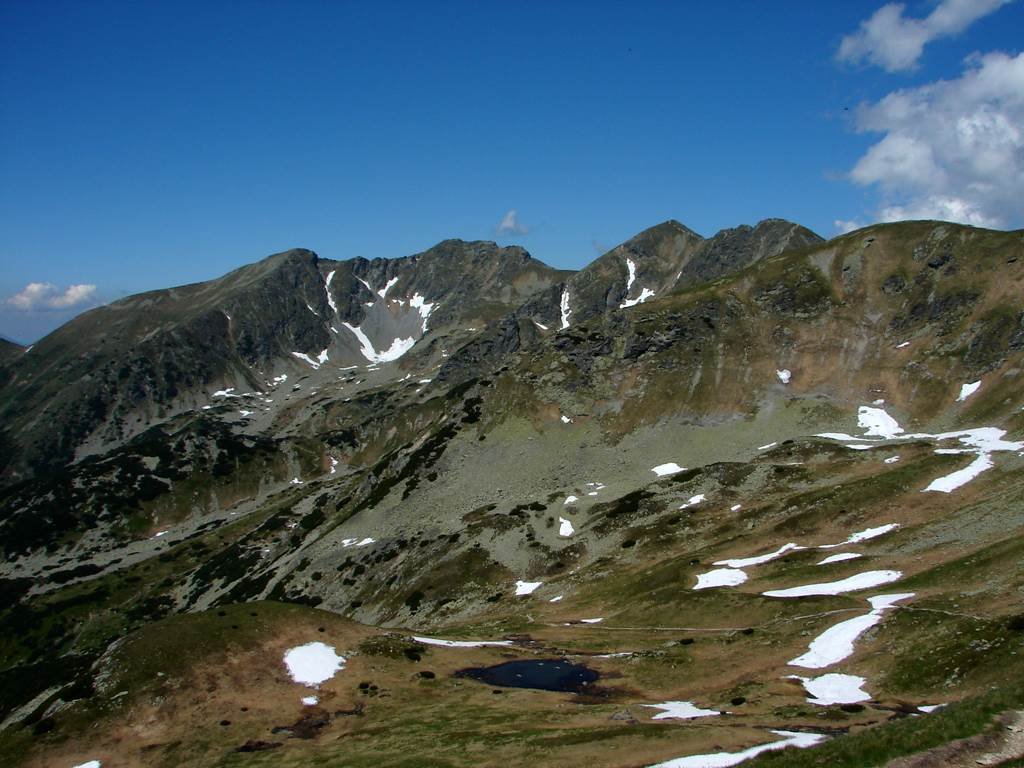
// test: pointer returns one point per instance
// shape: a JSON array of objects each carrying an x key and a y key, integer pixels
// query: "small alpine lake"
[{"x": 542, "y": 674}]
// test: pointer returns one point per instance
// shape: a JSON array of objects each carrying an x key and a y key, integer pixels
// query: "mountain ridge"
[
  {"x": 687, "y": 496},
  {"x": 227, "y": 319}
]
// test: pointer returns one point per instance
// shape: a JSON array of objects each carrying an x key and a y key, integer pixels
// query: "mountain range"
[{"x": 681, "y": 471}]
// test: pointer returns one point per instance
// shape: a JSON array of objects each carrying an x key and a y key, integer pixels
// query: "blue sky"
[{"x": 144, "y": 145}]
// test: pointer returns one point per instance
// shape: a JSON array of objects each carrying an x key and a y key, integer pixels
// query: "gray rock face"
[
  {"x": 106, "y": 374},
  {"x": 734, "y": 249},
  {"x": 668, "y": 258}
]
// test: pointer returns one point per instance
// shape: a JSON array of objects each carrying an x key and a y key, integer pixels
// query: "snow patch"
[
  {"x": 313, "y": 663},
  {"x": 834, "y": 689},
  {"x": 720, "y": 577},
  {"x": 866, "y": 535},
  {"x": 693, "y": 501},
  {"x": 327, "y": 288},
  {"x": 726, "y": 759},
  {"x": 390, "y": 284},
  {"x": 981, "y": 441},
  {"x": 843, "y": 556},
  {"x": 423, "y": 306},
  {"x": 566, "y": 419},
  {"x": 746, "y": 562},
  {"x": 570, "y": 500},
  {"x": 321, "y": 358},
  {"x": 460, "y": 643},
  {"x": 540, "y": 325},
  {"x": 398, "y": 347},
  {"x": 645, "y": 294},
  {"x": 526, "y": 587},
  {"x": 784, "y": 375},
  {"x": 680, "y": 710},
  {"x": 566, "y": 312},
  {"x": 877, "y": 423},
  {"x": 853, "y": 583},
  {"x": 556, "y": 599},
  {"x": 346, "y": 543},
  {"x": 667, "y": 469},
  {"x": 836, "y": 643},
  {"x": 565, "y": 527},
  {"x": 952, "y": 481},
  {"x": 310, "y": 701},
  {"x": 631, "y": 268},
  {"x": 967, "y": 390}
]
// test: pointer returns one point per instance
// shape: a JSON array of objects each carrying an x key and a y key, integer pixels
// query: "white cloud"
[
  {"x": 894, "y": 42},
  {"x": 74, "y": 296},
  {"x": 843, "y": 226},
  {"x": 952, "y": 149},
  {"x": 48, "y": 296},
  {"x": 510, "y": 225}
]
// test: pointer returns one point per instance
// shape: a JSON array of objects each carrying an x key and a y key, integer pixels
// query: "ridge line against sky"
[{"x": 157, "y": 145}]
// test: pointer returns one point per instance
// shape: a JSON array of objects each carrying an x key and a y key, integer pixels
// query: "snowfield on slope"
[
  {"x": 313, "y": 663},
  {"x": 460, "y": 643},
  {"x": 880, "y": 429},
  {"x": 746, "y": 562},
  {"x": 681, "y": 710},
  {"x": 841, "y": 557},
  {"x": 667, "y": 469},
  {"x": 854, "y": 583},
  {"x": 726, "y": 759},
  {"x": 834, "y": 688},
  {"x": 720, "y": 577},
  {"x": 524, "y": 588},
  {"x": 836, "y": 643}
]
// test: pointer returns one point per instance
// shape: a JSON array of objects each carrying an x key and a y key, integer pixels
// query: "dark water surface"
[{"x": 544, "y": 675}]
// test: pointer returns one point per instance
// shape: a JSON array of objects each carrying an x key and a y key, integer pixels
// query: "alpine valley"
[{"x": 758, "y": 496}]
